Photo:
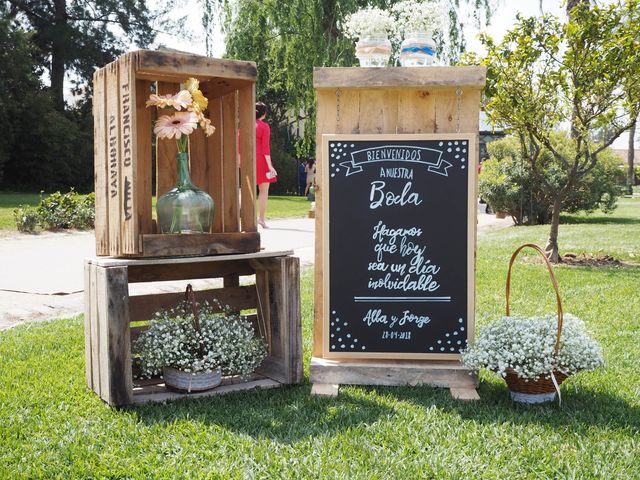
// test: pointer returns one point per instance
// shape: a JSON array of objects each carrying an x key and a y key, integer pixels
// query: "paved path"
[{"x": 41, "y": 276}]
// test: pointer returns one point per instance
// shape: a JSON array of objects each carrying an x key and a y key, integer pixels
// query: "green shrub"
[
  {"x": 67, "y": 210},
  {"x": 508, "y": 183},
  {"x": 26, "y": 218}
]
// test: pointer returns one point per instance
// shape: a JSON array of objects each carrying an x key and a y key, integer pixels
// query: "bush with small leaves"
[{"x": 26, "y": 218}]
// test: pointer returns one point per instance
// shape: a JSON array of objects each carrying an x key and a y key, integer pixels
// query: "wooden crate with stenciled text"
[{"x": 124, "y": 152}]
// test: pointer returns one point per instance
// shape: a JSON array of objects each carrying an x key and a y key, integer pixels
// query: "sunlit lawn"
[{"x": 52, "y": 426}]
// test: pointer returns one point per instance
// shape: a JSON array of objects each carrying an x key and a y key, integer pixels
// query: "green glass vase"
[{"x": 185, "y": 208}]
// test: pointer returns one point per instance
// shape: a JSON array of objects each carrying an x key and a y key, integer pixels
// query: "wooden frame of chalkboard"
[{"x": 393, "y": 287}]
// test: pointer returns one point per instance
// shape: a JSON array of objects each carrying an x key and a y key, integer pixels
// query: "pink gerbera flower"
[{"x": 176, "y": 125}]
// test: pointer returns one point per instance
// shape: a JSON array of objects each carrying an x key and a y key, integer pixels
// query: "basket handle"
[{"x": 554, "y": 282}]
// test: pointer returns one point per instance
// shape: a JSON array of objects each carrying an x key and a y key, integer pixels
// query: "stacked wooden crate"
[{"x": 124, "y": 142}]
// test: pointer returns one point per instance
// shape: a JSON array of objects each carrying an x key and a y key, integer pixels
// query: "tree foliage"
[
  {"x": 288, "y": 39},
  {"x": 77, "y": 36},
  {"x": 509, "y": 184},
  {"x": 585, "y": 71}
]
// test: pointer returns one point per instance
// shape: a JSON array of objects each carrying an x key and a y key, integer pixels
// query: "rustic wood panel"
[
  {"x": 113, "y": 156},
  {"x": 198, "y": 159},
  {"x": 151, "y": 394},
  {"x": 101, "y": 165},
  {"x": 437, "y": 374},
  {"x": 166, "y": 149},
  {"x": 416, "y": 111},
  {"x": 129, "y": 226},
  {"x": 248, "y": 159},
  {"x": 96, "y": 345},
  {"x": 144, "y": 130},
  {"x": 378, "y": 111},
  {"x": 399, "y": 77},
  {"x": 285, "y": 360},
  {"x": 158, "y": 245},
  {"x": 115, "y": 356},
  {"x": 142, "y": 307},
  {"x": 87, "y": 325},
  {"x": 230, "y": 164},
  {"x": 187, "y": 65},
  {"x": 215, "y": 172},
  {"x": 187, "y": 271}
]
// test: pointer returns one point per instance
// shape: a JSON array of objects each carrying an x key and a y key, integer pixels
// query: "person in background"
[
  {"x": 302, "y": 177},
  {"x": 310, "y": 170},
  {"x": 265, "y": 173}
]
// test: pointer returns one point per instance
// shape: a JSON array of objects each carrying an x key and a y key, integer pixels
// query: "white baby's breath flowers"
[
  {"x": 412, "y": 16},
  {"x": 366, "y": 22},
  {"x": 526, "y": 346},
  {"x": 226, "y": 340}
]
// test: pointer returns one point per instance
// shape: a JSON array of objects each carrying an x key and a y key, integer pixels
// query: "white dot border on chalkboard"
[
  {"x": 340, "y": 338},
  {"x": 451, "y": 342}
]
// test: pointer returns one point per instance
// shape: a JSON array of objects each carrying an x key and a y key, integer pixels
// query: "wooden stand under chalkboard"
[{"x": 433, "y": 100}]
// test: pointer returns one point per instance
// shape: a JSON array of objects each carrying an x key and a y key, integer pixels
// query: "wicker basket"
[
  {"x": 541, "y": 389},
  {"x": 185, "y": 382}
]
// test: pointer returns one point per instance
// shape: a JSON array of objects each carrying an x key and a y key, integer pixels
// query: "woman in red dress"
[{"x": 265, "y": 173}]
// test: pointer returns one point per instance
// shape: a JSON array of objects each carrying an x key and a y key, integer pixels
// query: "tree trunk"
[
  {"x": 631, "y": 178},
  {"x": 58, "y": 54},
  {"x": 553, "y": 252}
]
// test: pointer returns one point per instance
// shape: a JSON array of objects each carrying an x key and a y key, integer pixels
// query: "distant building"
[{"x": 622, "y": 153}]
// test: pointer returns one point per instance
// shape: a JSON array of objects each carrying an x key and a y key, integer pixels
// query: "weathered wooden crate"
[
  {"x": 110, "y": 313},
  {"x": 123, "y": 139}
]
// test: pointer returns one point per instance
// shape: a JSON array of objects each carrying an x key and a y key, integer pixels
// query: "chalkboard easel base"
[{"x": 328, "y": 375}]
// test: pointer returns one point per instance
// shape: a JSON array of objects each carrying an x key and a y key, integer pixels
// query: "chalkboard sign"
[{"x": 400, "y": 230}]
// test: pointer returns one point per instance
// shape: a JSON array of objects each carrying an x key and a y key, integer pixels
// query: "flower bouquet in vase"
[
  {"x": 534, "y": 355},
  {"x": 185, "y": 208},
  {"x": 416, "y": 22},
  {"x": 371, "y": 26},
  {"x": 192, "y": 347}
]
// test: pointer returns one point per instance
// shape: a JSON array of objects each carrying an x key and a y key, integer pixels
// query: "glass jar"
[
  {"x": 373, "y": 50},
  {"x": 417, "y": 50},
  {"x": 185, "y": 208}
]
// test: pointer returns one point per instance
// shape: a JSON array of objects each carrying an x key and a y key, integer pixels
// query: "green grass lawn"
[
  {"x": 52, "y": 426},
  {"x": 9, "y": 201},
  {"x": 287, "y": 207},
  {"x": 278, "y": 206}
]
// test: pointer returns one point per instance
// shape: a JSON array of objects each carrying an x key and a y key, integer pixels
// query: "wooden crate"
[
  {"x": 110, "y": 311},
  {"x": 401, "y": 100},
  {"x": 123, "y": 154}
]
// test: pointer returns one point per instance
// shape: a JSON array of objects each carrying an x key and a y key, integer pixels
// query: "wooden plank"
[
  {"x": 132, "y": 262},
  {"x": 231, "y": 220},
  {"x": 215, "y": 172},
  {"x": 87, "y": 324},
  {"x": 378, "y": 111},
  {"x": 447, "y": 112},
  {"x": 186, "y": 271},
  {"x": 354, "y": 77},
  {"x": 143, "y": 159},
  {"x": 96, "y": 345},
  {"x": 325, "y": 123},
  {"x": 248, "y": 159},
  {"x": 102, "y": 300},
  {"x": 114, "y": 157},
  {"x": 325, "y": 389},
  {"x": 157, "y": 245},
  {"x": 263, "y": 302},
  {"x": 116, "y": 358},
  {"x": 166, "y": 149},
  {"x": 142, "y": 307},
  {"x": 284, "y": 329},
  {"x": 416, "y": 111},
  {"x": 166, "y": 395},
  {"x": 221, "y": 86},
  {"x": 129, "y": 226},
  {"x": 198, "y": 159},
  {"x": 443, "y": 374},
  {"x": 101, "y": 171},
  {"x": 465, "y": 394},
  {"x": 188, "y": 65}
]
